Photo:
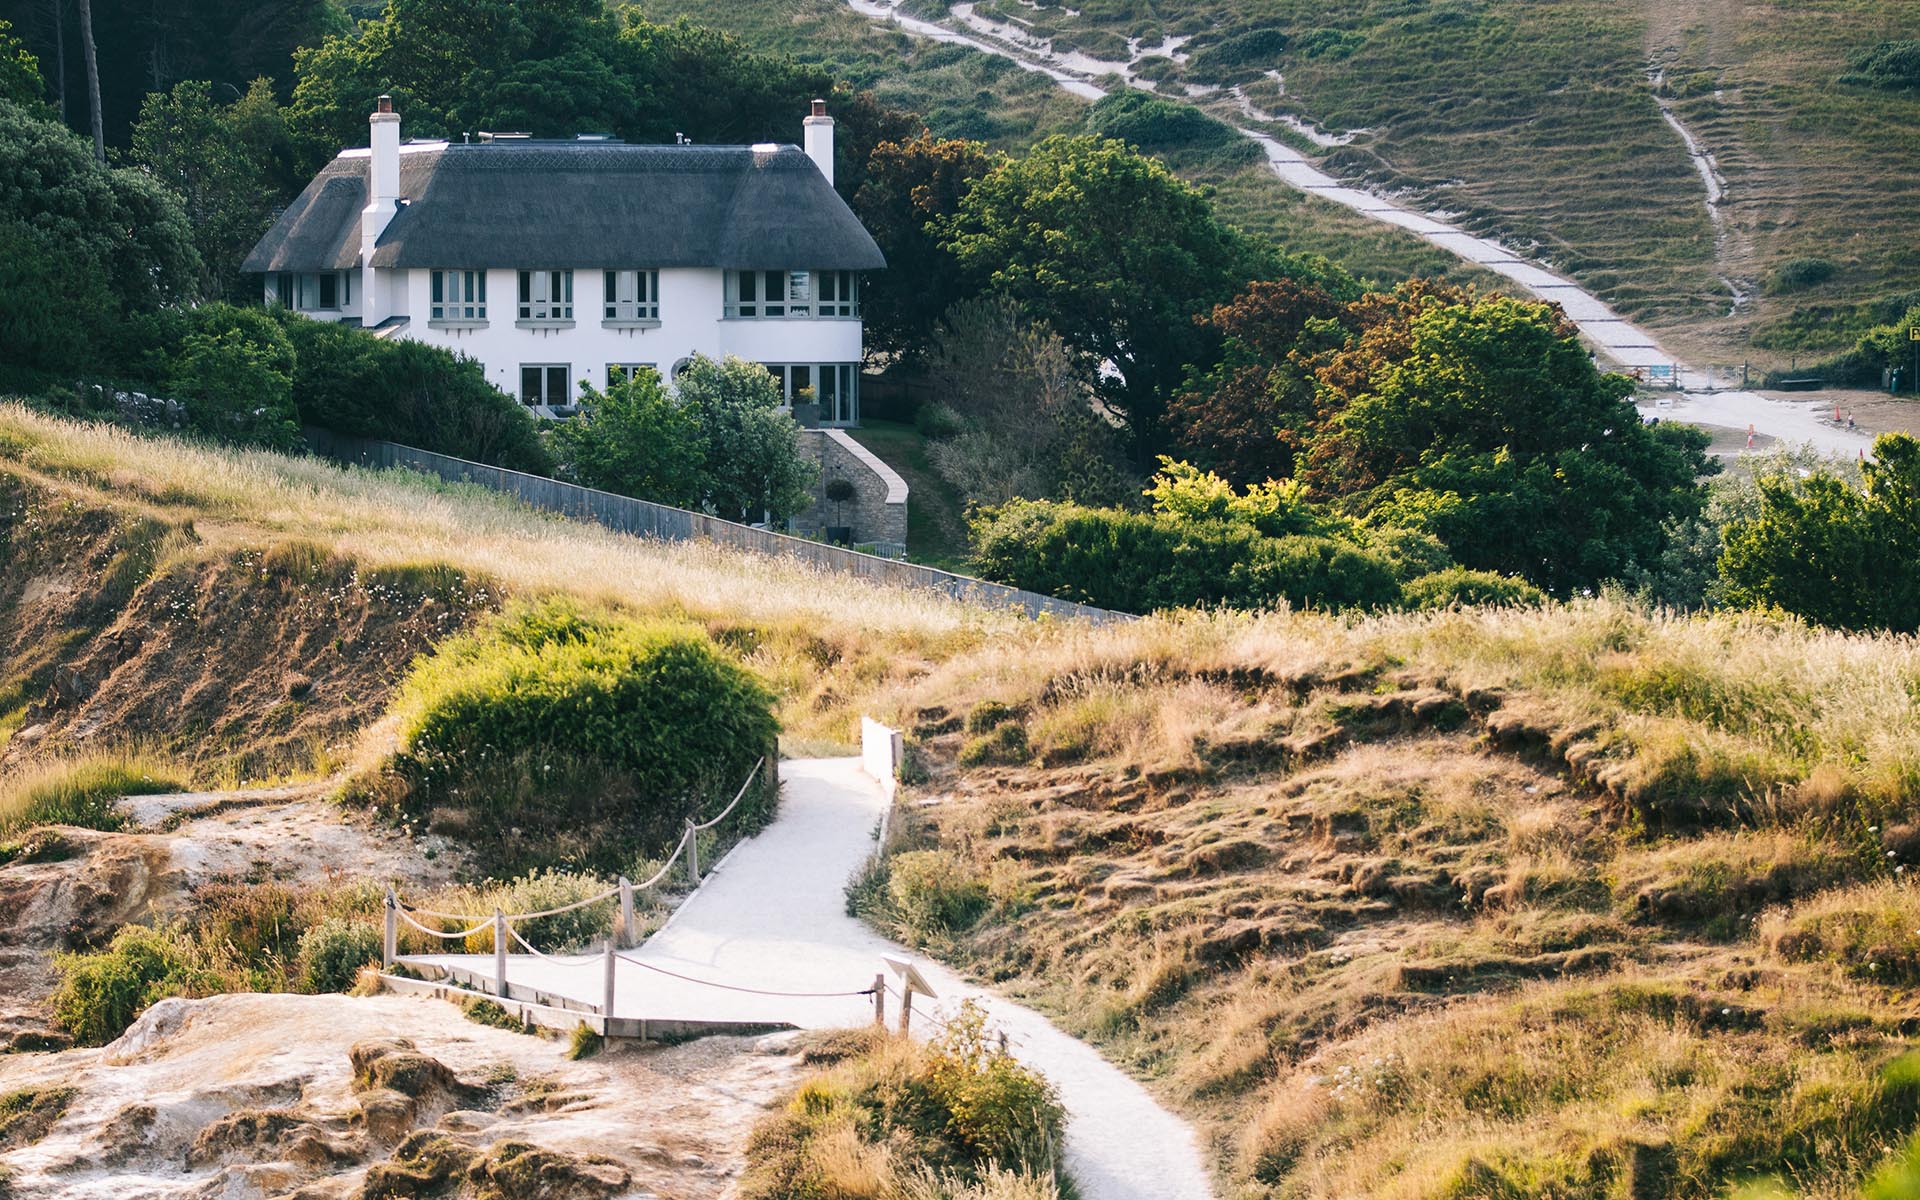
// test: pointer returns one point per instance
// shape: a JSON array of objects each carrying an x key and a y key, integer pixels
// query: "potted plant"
[
  {"x": 806, "y": 412},
  {"x": 839, "y": 491}
]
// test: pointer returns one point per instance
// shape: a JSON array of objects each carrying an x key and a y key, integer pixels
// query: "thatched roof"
[{"x": 577, "y": 204}]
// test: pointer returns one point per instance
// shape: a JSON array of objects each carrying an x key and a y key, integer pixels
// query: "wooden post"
[
  {"x": 906, "y": 1009},
  {"x": 693, "y": 853},
  {"x": 626, "y": 912},
  {"x": 1003, "y": 1043},
  {"x": 390, "y": 941},
  {"x": 880, "y": 1000},
  {"x": 606, "y": 1009},
  {"x": 499, "y": 953}
]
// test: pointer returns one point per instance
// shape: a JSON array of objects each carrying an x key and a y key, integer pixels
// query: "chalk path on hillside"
[
  {"x": 773, "y": 916},
  {"x": 1618, "y": 340}
]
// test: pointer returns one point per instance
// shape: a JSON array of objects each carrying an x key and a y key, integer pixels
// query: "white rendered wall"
[{"x": 692, "y": 304}]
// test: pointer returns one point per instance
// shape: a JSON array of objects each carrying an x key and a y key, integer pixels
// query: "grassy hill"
[
  {"x": 1576, "y": 901},
  {"x": 1538, "y": 123}
]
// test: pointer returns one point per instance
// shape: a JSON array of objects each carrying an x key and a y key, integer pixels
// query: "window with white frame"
[
  {"x": 838, "y": 294},
  {"x": 459, "y": 296},
  {"x": 633, "y": 296},
  {"x": 754, "y": 295},
  {"x": 546, "y": 295},
  {"x": 325, "y": 291},
  {"x": 835, "y": 387},
  {"x": 621, "y": 372},
  {"x": 550, "y": 384}
]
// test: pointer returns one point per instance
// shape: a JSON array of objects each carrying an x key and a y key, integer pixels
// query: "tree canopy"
[
  {"x": 1830, "y": 552},
  {"x": 1117, "y": 254}
]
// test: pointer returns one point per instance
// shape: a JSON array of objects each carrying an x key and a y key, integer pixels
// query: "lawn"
[{"x": 936, "y": 520}]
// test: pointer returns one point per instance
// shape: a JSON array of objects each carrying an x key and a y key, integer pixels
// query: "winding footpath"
[
  {"x": 1701, "y": 399},
  {"x": 772, "y": 917}
]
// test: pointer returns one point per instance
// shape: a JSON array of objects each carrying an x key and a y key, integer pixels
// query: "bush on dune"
[{"x": 555, "y": 735}]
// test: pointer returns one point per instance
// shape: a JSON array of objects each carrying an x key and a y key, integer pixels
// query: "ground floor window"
[
  {"x": 459, "y": 296},
  {"x": 550, "y": 384},
  {"x": 621, "y": 372},
  {"x": 835, "y": 387},
  {"x": 325, "y": 291}
]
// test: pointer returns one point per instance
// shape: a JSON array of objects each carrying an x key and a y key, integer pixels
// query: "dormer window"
[
  {"x": 632, "y": 296},
  {"x": 546, "y": 296}
]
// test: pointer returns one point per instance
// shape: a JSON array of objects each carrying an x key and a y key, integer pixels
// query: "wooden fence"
[{"x": 645, "y": 519}]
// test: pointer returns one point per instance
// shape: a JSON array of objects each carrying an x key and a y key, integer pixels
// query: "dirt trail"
[{"x": 1709, "y": 399}]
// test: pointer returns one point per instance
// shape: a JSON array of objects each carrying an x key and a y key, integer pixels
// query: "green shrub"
[
  {"x": 1330, "y": 44},
  {"x": 1239, "y": 57},
  {"x": 996, "y": 1110},
  {"x": 100, "y": 994},
  {"x": 332, "y": 953},
  {"x": 933, "y": 892},
  {"x": 1894, "y": 66},
  {"x": 584, "y": 1043},
  {"x": 1460, "y": 587},
  {"x": 1173, "y": 130},
  {"x": 233, "y": 370},
  {"x": 991, "y": 714},
  {"x": 937, "y": 421},
  {"x": 1004, "y": 745},
  {"x": 488, "y": 1012},
  {"x": 1142, "y": 562},
  {"x": 553, "y": 735},
  {"x": 537, "y": 891},
  {"x": 1798, "y": 274},
  {"x": 404, "y": 391}
]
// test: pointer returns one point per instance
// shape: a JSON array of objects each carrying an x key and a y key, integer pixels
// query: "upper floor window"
[
  {"x": 459, "y": 296},
  {"x": 760, "y": 294},
  {"x": 839, "y": 294},
  {"x": 633, "y": 296},
  {"x": 546, "y": 295}
]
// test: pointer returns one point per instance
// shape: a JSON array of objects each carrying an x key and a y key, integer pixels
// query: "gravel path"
[
  {"x": 773, "y": 917},
  {"x": 1624, "y": 345}
]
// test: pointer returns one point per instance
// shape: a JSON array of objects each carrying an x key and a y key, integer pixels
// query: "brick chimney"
[
  {"x": 383, "y": 193},
  {"x": 819, "y": 138}
]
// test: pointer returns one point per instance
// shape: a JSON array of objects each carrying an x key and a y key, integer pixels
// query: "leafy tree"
[
  {"x": 1485, "y": 423},
  {"x": 634, "y": 439},
  {"x": 202, "y": 154},
  {"x": 20, "y": 81},
  {"x": 550, "y": 67},
  {"x": 237, "y": 386},
  {"x": 1117, "y": 254},
  {"x": 1248, "y": 416},
  {"x": 87, "y": 245},
  {"x": 1026, "y": 425},
  {"x": 1832, "y": 553},
  {"x": 753, "y": 463},
  {"x": 911, "y": 188}
]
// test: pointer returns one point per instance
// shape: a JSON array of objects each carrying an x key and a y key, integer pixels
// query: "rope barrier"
[
  {"x": 441, "y": 933},
  {"x": 679, "y": 846},
  {"x": 565, "y": 960},
  {"x": 728, "y": 987}
]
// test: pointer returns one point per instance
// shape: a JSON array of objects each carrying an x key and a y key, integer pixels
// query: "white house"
[{"x": 557, "y": 263}]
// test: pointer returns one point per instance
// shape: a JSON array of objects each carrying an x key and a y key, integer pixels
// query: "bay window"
[
  {"x": 755, "y": 295},
  {"x": 546, "y": 295}
]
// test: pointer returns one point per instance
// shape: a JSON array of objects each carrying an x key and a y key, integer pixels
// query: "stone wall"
[{"x": 877, "y": 513}]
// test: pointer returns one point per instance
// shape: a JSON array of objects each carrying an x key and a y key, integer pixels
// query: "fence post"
[
  {"x": 880, "y": 1000},
  {"x": 606, "y": 1009},
  {"x": 693, "y": 853},
  {"x": 626, "y": 912},
  {"x": 390, "y": 942},
  {"x": 499, "y": 953},
  {"x": 906, "y": 1009}
]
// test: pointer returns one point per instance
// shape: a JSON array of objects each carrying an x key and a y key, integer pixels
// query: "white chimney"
[
  {"x": 383, "y": 192},
  {"x": 819, "y": 139}
]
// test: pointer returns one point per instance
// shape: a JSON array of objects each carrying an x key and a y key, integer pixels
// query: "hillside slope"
[{"x": 1559, "y": 127}]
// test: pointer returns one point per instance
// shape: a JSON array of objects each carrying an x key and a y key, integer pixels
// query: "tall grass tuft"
[{"x": 83, "y": 790}]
